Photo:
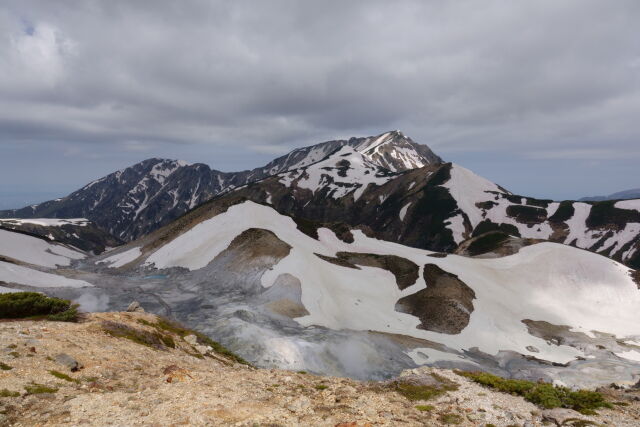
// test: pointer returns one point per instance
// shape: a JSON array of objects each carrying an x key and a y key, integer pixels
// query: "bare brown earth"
[
  {"x": 445, "y": 305},
  {"x": 127, "y": 383}
]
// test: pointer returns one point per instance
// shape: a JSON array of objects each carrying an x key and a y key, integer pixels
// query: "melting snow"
[
  {"x": 631, "y": 355},
  {"x": 628, "y": 204},
  {"x": 36, "y": 251},
  {"x": 122, "y": 258},
  {"x": 467, "y": 189},
  {"x": 551, "y": 282},
  {"x": 403, "y": 211},
  {"x": 11, "y": 273},
  {"x": 359, "y": 174}
]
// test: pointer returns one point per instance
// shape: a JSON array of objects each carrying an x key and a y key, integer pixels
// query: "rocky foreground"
[{"x": 129, "y": 369}]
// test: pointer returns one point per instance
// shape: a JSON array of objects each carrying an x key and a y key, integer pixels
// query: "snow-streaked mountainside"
[
  {"x": 346, "y": 171},
  {"x": 620, "y": 195},
  {"x": 439, "y": 207},
  {"x": 137, "y": 200},
  {"x": 251, "y": 275}
]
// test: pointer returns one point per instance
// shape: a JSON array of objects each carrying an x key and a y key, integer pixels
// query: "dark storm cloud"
[{"x": 531, "y": 80}]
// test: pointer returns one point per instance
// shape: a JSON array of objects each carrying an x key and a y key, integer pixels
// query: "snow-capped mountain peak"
[
  {"x": 346, "y": 170},
  {"x": 396, "y": 152}
]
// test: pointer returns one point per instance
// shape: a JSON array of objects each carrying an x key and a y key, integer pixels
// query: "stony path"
[{"x": 124, "y": 383}]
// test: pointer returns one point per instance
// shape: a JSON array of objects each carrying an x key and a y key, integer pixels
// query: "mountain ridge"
[
  {"x": 133, "y": 201},
  {"x": 633, "y": 193}
]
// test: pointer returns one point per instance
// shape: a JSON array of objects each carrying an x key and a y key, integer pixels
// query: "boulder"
[
  {"x": 559, "y": 415},
  {"x": 191, "y": 339},
  {"x": 69, "y": 362},
  {"x": 135, "y": 307}
]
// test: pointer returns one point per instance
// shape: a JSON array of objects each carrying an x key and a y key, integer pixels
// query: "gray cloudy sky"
[{"x": 541, "y": 96}]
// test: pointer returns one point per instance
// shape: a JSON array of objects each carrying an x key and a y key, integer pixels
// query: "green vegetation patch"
[
  {"x": 542, "y": 394},
  {"x": 487, "y": 242},
  {"x": 564, "y": 212},
  {"x": 606, "y": 214},
  {"x": 321, "y": 387},
  {"x": 139, "y": 336},
  {"x": 35, "y": 388},
  {"x": 5, "y": 367},
  {"x": 527, "y": 214},
  {"x": 487, "y": 226},
  {"x": 450, "y": 418},
  {"x": 8, "y": 393},
  {"x": 164, "y": 324},
  {"x": 424, "y": 391},
  {"x": 542, "y": 203},
  {"x": 62, "y": 376},
  {"x": 20, "y": 305},
  {"x": 425, "y": 408}
]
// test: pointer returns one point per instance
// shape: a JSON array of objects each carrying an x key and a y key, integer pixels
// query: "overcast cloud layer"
[{"x": 542, "y": 96}]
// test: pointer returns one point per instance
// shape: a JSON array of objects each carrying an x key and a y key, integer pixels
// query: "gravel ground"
[{"x": 124, "y": 383}]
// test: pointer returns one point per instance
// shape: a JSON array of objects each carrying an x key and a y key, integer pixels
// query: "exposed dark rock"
[
  {"x": 487, "y": 226},
  {"x": 527, "y": 214},
  {"x": 338, "y": 261},
  {"x": 438, "y": 255},
  {"x": 445, "y": 305},
  {"x": 487, "y": 242},
  {"x": 605, "y": 214},
  {"x": 564, "y": 212},
  {"x": 405, "y": 271}
]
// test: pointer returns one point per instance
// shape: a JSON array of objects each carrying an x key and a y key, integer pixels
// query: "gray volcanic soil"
[{"x": 227, "y": 301}]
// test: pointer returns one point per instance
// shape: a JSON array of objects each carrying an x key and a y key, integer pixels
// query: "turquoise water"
[{"x": 156, "y": 276}]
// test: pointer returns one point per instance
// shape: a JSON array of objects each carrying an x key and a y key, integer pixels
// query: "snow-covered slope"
[
  {"x": 17, "y": 274},
  {"x": 342, "y": 288},
  {"x": 37, "y": 251},
  {"x": 31, "y": 261}
]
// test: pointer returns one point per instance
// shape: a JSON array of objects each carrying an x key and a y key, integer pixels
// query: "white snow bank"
[
  {"x": 11, "y": 273},
  {"x": 467, "y": 189},
  {"x": 633, "y": 204},
  {"x": 631, "y": 355},
  {"x": 47, "y": 222},
  {"x": 36, "y": 251},
  {"x": 403, "y": 211},
  {"x": 122, "y": 258}
]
